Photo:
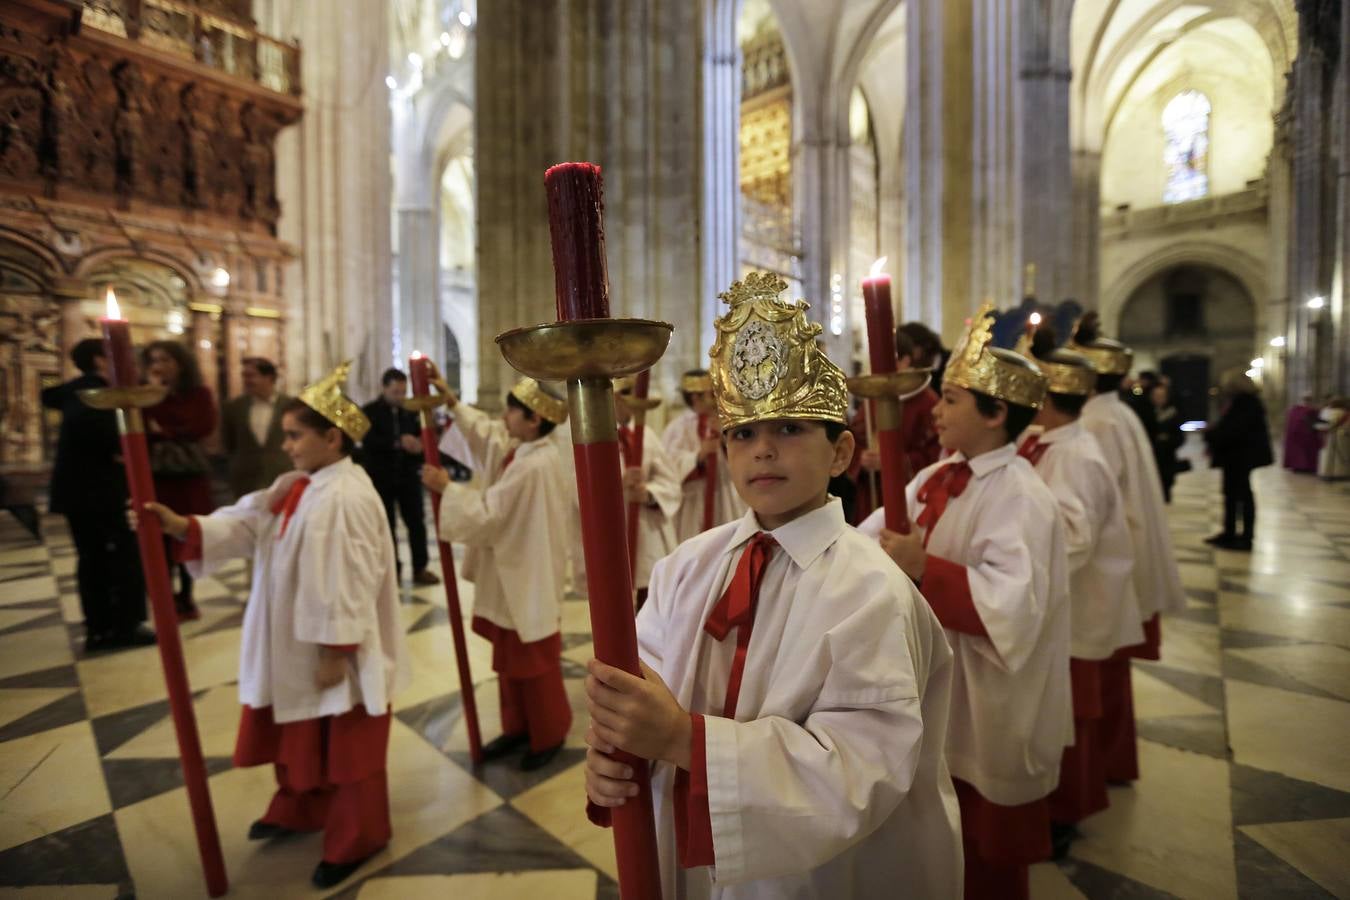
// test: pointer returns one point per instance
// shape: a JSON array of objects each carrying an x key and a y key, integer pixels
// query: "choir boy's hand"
[
  {"x": 870, "y": 460},
  {"x": 174, "y": 525},
  {"x": 438, "y": 382},
  {"x": 638, "y": 715},
  {"x": 435, "y": 479},
  {"x": 907, "y": 550},
  {"x": 634, "y": 488},
  {"x": 410, "y": 443},
  {"x": 608, "y": 782},
  {"x": 332, "y": 668}
]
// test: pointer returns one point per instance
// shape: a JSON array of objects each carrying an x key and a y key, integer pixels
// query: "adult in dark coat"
[
  {"x": 1238, "y": 442},
  {"x": 89, "y": 488},
  {"x": 392, "y": 455},
  {"x": 1167, "y": 436},
  {"x": 254, "y": 462}
]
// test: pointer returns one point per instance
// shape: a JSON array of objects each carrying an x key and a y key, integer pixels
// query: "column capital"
[{"x": 68, "y": 289}]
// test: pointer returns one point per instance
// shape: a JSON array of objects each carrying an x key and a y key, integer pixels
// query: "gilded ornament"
[
  {"x": 540, "y": 400},
  {"x": 326, "y": 398},
  {"x": 1001, "y": 374}
]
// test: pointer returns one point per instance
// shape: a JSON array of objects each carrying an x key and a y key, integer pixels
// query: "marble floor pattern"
[{"x": 1244, "y": 725}]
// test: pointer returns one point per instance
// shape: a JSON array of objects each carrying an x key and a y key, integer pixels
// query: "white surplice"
[
  {"x": 656, "y": 520},
  {"x": 1012, "y": 710},
  {"x": 1125, "y": 445},
  {"x": 683, "y": 444},
  {"x": 831, "y": 781},
  {"x": 1105, "y": 614},
  {"x": 328, "y": 580},
  {"x": 513, "y": 527}
]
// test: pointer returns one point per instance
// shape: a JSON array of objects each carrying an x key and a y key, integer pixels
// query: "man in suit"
[
  {"x": 89, "y": 487},
  {"x": 392, "y": 456},
  {"x": 251, "y": 430}
]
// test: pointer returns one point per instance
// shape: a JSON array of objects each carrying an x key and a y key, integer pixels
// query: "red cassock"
[{"x": 921, "y": 446}]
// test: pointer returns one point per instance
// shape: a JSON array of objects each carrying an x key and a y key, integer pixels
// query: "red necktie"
[
  {"x": 286, "y": 505},
  {"x": 1032, "y": 449},
  {"x": 946, "y": 483},
  {"x": 736, "y": 610},
  {"x": 510, "y": 458}
]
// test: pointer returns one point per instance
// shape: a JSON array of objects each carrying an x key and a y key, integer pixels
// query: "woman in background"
[
  {"x": 1238, "y": 443},
  {"x": 1167, "y": 435},
  {"x": 175, "y": 429}
]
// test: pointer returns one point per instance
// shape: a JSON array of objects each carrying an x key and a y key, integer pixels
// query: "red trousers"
[
  {"x": 330, "y": 777},
  {"x": 530, "y": 685},
  {"x": 1082, "y": 779},
  {"x": 1000, "y": 842}
]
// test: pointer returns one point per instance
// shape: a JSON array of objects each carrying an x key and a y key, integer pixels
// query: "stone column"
[
  {"x": 1086, "y": 217},
  {"x": 419, "y": 273},
  {"x": 1340, "y": 300},
  {"x": 202, "y": 339},
  {"x": 721, "y": 160},
  {"x": 70, "y": 294},
  {"x": 335, "y": 191}
]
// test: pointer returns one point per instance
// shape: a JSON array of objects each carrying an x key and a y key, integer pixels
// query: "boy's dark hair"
[
  {"x": 392, "y": 375},
  {"x": 904, "y": 344},
  {"x": 688, "y": 398},
  {"x": 1108, "y": 383},
  {"x": 1019, "y": 417},
  {"x": 312, "y": 419},
  {"x": 266, "y": 368},
  {"x": 545, "y": 426},
  {"x": 189, "y": 374},
  {"x": 834, "y": 429},
  {"x": 84, "y": 353},
  {"x": 1069, "y": 404}
]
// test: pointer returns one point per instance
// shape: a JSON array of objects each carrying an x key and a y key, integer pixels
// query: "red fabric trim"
[
  {"x": 342, "y": 648},
  {"x": 316, "y": 752},
  {"x": 1085, "y": 678},
  {"x": 1082, "y": 782},
  {"x": 946, "y": 587},
  {"x": 190, "y": 547},
  {"x": 736, "y": 609},
  {"x": 1032, "y": 449},
  {"x": 1151, "y": 648},
  {"x": 693, "y": 821},
  {"x": 285, "y": 507},
  {"x": 537, "y": 707},
  {"x": 515, "y": 658},
  {"x": 1003, "y": 835},
  {"x": 943, "y": 485},
  {"x": 1116, "y": 732}
]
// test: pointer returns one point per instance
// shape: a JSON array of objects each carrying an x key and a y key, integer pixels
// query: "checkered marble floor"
[{"x": 1244, "y": 724}]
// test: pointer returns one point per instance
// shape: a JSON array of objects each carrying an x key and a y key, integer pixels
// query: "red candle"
[
  {"x": 419, "y": 369},
  {"x": 575, "y": 209},
  {"x": 122, "y": 371},
  {"x": 880, "y": 319}
]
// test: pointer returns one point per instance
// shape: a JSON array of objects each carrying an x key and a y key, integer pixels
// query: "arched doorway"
[{"x": 1190, "y": 322}]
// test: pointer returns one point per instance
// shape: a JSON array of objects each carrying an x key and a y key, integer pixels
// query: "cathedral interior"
[{"x": 313, "y": 181}]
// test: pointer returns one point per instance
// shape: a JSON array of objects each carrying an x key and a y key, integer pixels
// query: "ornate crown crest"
[
  {"x": 1108, "y": 357},
  {"x": 541, "y": 401},
  {"x": 999, "y": 373},
  {"x": 326, "y": 398},
  {"x": 1066, "y": 372},
  {"x": 766, "y": 363},
  {"x": 696, "y": 384}
]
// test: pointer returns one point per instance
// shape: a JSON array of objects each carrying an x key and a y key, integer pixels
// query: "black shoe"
[
  {"x": 140, "y": 636},
  {"x": 97, "y": 643},
  {"x": 538, "y": 760},
  {"x": 504, "y": 746},
  {"x": 1220, "y": 539},
  {"x": 1062, "y": 837},
  {"x": 265, "y": 831},
  {"x": 423, "y": 577},
  {"x": 328, "y": 874},
  {"x": 1239, "y": 544}
]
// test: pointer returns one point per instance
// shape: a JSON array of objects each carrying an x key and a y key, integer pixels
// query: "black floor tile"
[
  {"x": 1262, "y": 875},
  {"x": 436, "y": 718},
  {"x": 64, "y": 711},
  {"x": 501, "y": 840},
  {"x": 133, "y": 780},
  {"x": 55, "y": 677},
  {"x": 1260, "y": 796},
  {"x": 504, "y": 775},
  {"x": 1198, "y": 734},
  {"x": 115, "y": 729},
  {"x": 1103, "y": 884},
  {"x": 1233, "y": 639},
  {"x": 87, "y": 853},
  {"x": 1240, "y": 669},
  {"x": 1205, "y": 688}
]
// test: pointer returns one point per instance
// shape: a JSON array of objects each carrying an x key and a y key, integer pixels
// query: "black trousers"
[
  {"x": 404, "y": 499},
  {"x": 112, "y": 589},
  {"x": 1238, "y": 500}
]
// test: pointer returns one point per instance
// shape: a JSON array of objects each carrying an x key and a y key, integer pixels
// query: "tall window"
[{"x": 1185, "y": 123}]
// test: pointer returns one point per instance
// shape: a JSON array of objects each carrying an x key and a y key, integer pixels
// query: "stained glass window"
[{"x": 1185, "y": 123}]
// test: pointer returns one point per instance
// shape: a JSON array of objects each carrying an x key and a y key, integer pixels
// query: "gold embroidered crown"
[
  {"x": 1108, "y": 357},
  {"x": 325, "y": 397},
  {"x": 541, "y": 401},
  {"x": 766, "y": 363},
  {"x": 1066, "y": 372},
  {"x": 1001, "y": 374},
  {"x": 695, "y": 383}
]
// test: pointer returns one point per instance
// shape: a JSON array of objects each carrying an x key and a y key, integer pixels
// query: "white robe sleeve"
[
  {"x": 478, "y": 517},
  {"x": 682, "y": 445},
  {"x": 231, "y": 532},
  {"x": 663, "y": 484},
  {"x": 482, "y": 433},
  {"x": 1081, "y": 525},
  {"x": 785, "y": 797},
  {"x": 340, "y": 564},
  {"x": 1010, "y": 586}
]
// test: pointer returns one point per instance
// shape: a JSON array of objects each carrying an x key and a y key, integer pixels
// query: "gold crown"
[
  {"x": 540, "y": 400},
  {"x": 1065, "y": 372},
  {"x": 325, "y": 397},
  {"x": 1108, "y": 357},
  {"x": 696, "y": 384},
  {"x": 1001, "y": 374},
  {"x": 766, "y": 363}
]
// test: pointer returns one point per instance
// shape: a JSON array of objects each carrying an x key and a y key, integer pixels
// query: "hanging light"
[
  {"x": 1277, "y": 341},
  {"x": 465, "y": 19},
  {"x": 391, "y": 82},
  {"x": 1317, "y": 303},
  {"x": 1259, "y": 363},
  {"x": 220, "y": 277}
]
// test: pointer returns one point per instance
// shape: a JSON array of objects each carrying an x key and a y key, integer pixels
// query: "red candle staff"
[
  {"x": 422, "y": 402},
  {"x": 128, "y": 398},
  {"x": 588, "y": 349},
  {"x": 639, "y": 404},
  {"x": 884, "y": 388}
]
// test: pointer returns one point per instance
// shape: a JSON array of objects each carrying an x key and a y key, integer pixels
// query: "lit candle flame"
[
  {"x": 1035, "y": 318},
  {"x": 876, "y": 267},
  {"x": 114, "y": 311},
  {"x": 416, "y": 354}
]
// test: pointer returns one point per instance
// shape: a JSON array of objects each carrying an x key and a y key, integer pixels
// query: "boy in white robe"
[
  {"x": 322, "y": 648},
  {"x": 798, "y": 749},
  {"x": 694, "y": 445},
  {"x": 1157, "y": 581},
  {"x": 1104, "y": 613},
  {"x": 516, "y": 559},
  {"x": 988, "y": 554},
  {"x": 653, "y": 486}
]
